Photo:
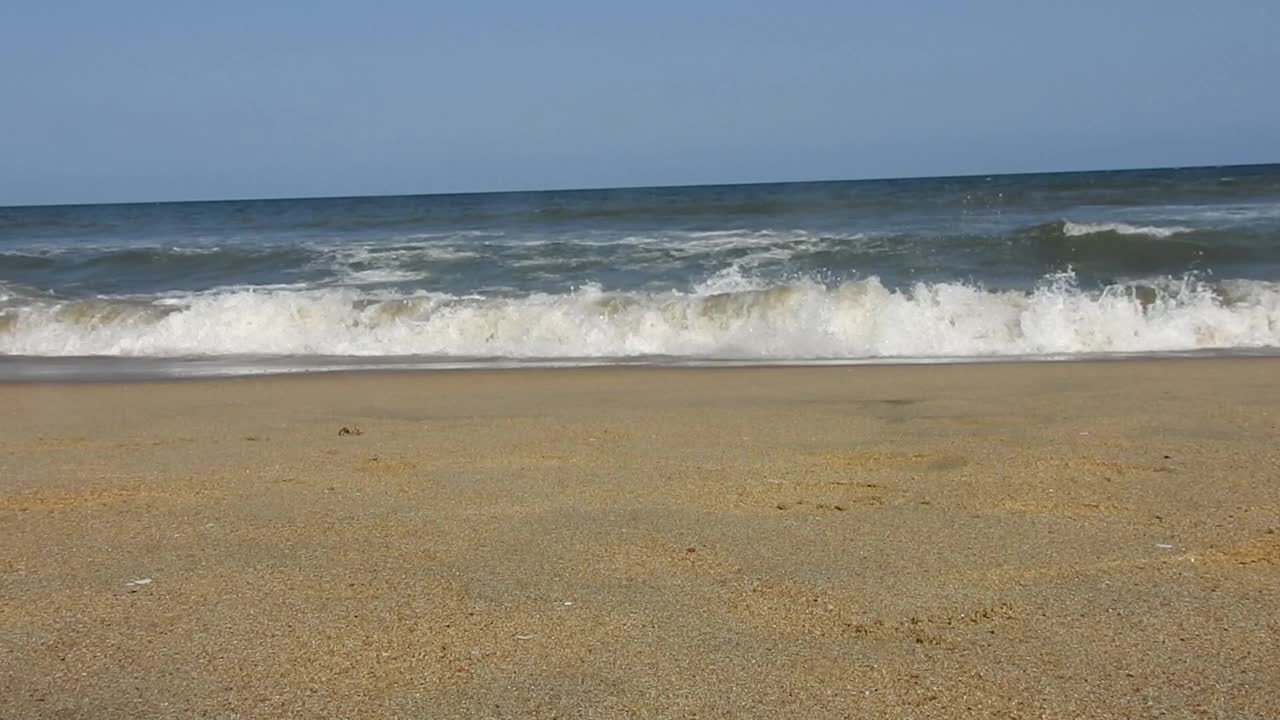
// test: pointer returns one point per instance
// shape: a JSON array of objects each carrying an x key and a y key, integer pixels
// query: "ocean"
[{"x": 1045, "y": 266}]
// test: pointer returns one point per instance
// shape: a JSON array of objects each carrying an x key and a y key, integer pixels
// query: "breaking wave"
[
  {"x": 729, "y": 316},
  {"x": 1073, "y": 229}
]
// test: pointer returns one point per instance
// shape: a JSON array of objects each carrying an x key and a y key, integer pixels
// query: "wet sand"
[{"x": 1086, "y": 540}]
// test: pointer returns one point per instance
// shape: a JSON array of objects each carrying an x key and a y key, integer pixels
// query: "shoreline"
[
  {"x": 1091, "y": 538},
  {"x": 147, "y": 369}
]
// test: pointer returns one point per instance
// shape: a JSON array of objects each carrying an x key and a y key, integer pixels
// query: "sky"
[{"x": 133, "y": 101}]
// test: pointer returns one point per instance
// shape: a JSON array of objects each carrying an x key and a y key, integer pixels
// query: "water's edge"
[{"x": 31, "y": 369}]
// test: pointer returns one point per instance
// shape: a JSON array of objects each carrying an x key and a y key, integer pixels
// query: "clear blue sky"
[{"x": 117, "y": 101}]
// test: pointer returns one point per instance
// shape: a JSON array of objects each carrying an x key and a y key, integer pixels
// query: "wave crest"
[
  {"x": 728, "y": 317},
  {"x": 1074, "y": 229}
]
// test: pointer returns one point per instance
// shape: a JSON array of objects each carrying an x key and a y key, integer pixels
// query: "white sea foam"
[
  {"x": 1073, "y": 229},
  {"x": 374, "y": 265},
  {"x": 730, "y": 316},
  {"x": 714, "y": 242},
  {"x": 378, "y": 277},
  {"x": 187, "y": 249},
  {"x": 762, "y": 240}
]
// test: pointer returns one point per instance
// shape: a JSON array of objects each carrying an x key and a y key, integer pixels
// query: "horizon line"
[{"x": 678, "y": 186}]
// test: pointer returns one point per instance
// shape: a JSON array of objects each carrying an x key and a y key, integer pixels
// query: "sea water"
[{"x": 1047, "y": 266}]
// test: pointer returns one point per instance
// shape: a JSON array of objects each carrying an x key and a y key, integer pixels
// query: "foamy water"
[
  {"x": 1072, "y": 229},
  {"x": 728, "y": 317}
]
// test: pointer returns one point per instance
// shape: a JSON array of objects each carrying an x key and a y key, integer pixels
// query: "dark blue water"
[{"x": 1044, "y": 265}]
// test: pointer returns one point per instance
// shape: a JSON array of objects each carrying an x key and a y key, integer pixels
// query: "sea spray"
[{"x": 730, "y": 316}]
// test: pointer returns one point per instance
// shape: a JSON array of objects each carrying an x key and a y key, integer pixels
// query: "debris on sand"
[{"x": 134, "y": 585}]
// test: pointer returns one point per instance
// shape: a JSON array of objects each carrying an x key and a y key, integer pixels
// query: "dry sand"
[{"x": 1083, "y": 540}]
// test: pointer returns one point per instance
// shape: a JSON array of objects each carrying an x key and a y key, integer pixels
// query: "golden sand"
[{"x": 1082, "y": 540}]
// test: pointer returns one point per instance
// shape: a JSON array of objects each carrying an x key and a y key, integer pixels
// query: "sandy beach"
[{"x": 1055, "y": 540}]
